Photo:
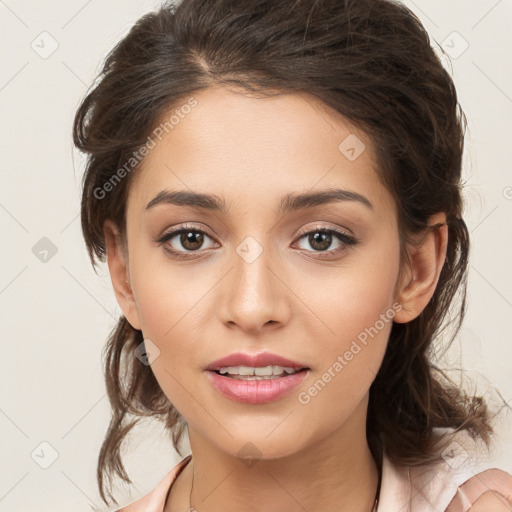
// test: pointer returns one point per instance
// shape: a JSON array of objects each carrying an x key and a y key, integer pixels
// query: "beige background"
[{"x": 55, "y": 315}]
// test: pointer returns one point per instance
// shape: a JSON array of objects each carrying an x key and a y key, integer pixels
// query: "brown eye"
[
  {"x": 184, "y": 240},
  {"x": 191, "y": 240},
  {"x": 322, "y": 238}
]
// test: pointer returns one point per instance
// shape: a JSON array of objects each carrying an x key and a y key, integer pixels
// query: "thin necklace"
[{"x": 192, "y": 509}]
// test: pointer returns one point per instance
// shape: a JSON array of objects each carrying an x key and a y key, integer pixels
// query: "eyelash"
[{"x": 345, "y": 239}]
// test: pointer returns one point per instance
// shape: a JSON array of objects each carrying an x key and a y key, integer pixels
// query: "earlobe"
[
  {"x": 426, "y": 262},
  {"x": 117, "y": 260}
]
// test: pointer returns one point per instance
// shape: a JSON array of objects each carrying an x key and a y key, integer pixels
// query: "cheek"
[
  {"x": 167, "y": 295},
  {"x": 359, "y": 312},
  {"x": 167, "y": 303},
  {"x": 363, "y": 290},
  {"x": 350, "y": 359}
]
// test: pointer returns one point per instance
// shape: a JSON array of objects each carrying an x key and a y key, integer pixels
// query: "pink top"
[{"x": 452, "y": 485}]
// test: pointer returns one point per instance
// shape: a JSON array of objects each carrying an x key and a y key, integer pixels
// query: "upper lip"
[{"x": 254, "y": 360}]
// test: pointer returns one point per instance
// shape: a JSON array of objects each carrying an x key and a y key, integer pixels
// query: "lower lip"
[{"x": 256, "y": 391}]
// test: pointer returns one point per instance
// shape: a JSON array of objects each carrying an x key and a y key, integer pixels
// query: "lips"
[
  {"x": 254, "y": 392},
  {"x": 255, "y": 360}
]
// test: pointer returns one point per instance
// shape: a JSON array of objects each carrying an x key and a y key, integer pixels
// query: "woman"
[{"x": 276, "y": 189}]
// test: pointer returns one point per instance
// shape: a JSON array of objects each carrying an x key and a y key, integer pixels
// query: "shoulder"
[
  {"x": 154, "y": 501},
  {"x": 487, "y": 491},
  {"x": 462, "y": 478},
  {"x": 490, "y": 502}
]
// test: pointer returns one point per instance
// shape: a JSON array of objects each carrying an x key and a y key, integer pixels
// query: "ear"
[
  {"x": 422, "y": 273},
  {"x": 117, "y": 259}
]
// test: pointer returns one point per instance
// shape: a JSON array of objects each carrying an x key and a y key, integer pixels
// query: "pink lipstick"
[{"x": 256, "y": 379}]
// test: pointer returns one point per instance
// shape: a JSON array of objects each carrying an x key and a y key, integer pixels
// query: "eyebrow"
[{"x": 288, "y": 203}]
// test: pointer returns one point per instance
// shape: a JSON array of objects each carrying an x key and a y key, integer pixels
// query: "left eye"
[{"x": 321, "y": 239}]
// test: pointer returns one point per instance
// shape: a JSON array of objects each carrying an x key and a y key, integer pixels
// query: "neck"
[{"x": 336, "y": 473}]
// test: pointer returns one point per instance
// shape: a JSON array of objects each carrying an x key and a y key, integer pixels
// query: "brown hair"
[{"x": 371, "y": 61}]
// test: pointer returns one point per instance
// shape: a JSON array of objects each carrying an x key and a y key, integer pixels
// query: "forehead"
[{"x": 252, "y": 148}]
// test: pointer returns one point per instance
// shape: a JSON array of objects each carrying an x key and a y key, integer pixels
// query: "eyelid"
[{"x": 325, "y": 227}]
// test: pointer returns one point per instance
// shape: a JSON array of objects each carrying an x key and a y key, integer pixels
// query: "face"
[{"x": 314, "y": 284}]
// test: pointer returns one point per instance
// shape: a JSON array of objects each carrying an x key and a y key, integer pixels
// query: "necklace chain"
[{"x": 190, "y": 508}]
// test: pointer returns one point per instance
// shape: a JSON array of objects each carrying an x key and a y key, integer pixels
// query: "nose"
[{"x": 255, "y": 296}]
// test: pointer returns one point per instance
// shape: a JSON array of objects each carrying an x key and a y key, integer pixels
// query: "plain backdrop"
[{"x": 56, "y": 312}]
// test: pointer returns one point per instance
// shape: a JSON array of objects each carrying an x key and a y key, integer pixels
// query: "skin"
[{"x": 291, "y": 300}]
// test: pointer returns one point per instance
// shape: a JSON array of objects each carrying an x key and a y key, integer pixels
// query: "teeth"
[{"x": 266, "y": 371}]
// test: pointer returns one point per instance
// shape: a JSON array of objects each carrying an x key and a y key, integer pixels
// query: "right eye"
[{"x": 188, "y": 240}]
